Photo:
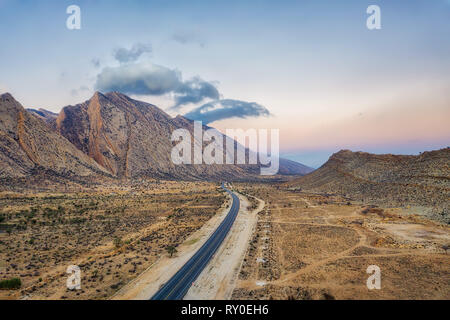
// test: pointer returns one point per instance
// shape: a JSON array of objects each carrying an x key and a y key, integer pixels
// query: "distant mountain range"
[
  {"x": 397, "y": 180},
  {"x": 110, "y": 135}
]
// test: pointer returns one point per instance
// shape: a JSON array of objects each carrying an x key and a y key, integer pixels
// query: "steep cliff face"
[
  {"x": 127, "y": 137},
  {"x": 83, "y": 126},
  {"x": 131, "y": 139},
  {"x": 422, "y": 180},
  {"x": 110, "y": 133},
  {"x": 28, "y": 143}
]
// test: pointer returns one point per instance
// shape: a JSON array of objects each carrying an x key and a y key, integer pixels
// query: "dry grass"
[
  {"x": 113, "y": 235},
  {"x": 317, "y": 246}
]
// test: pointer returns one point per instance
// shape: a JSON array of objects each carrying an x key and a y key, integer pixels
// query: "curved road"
[{"x": 177, "y": 287}]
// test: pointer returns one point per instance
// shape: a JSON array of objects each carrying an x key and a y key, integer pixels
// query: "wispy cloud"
[
  {"x": 76, "y": 92},
  {"x": 95, "y": 62},
  {"x": 228, "y": 108},
  {"x": 184, "y": 38},
  {"x": 124, "y": 55}
]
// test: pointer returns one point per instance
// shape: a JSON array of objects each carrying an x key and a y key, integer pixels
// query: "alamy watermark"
[
  {"x": 73, "y": 22},
  {"x": 74, "y": 280},
  {"x": 374, "y": 281},
  {"x": 374, "y": 20},
  {"x": 235, "y": 147}
]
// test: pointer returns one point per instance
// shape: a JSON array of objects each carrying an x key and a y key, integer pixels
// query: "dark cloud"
[
  {"x": 138, "y": 79},
  {"x": 150, "y": 79},
  {"x": 124, "y": 55},
  {"x": 194, "y": 91},
  {"x": 224, "y": 109}
]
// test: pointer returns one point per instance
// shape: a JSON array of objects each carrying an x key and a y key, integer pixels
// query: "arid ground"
[
  {"x": 302, "y": 245},
  {"x": 112, "y": 235},
  {"x": 311, "y": 246}
]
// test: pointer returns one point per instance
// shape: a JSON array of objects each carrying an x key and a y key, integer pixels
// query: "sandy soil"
[
  {"x": 218, "y": 279},
  {"x": 311, "y": 246},
  {"x": 149, "y": 281},
  {"x": 113, "y": 235}
]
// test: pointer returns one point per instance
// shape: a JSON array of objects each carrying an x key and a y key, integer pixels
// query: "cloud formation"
[
  {"x": 224, "y": 109},
  {"x": 151, "y": 79},
  {"x": 138, "y": 78},
  {"x": 194, "y": 91},
  {"x": 184, "y": 38},
  {"x": 124, "y": 55}
]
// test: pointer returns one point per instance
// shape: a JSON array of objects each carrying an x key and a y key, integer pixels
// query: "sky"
[{"x": 311, "y": 69}]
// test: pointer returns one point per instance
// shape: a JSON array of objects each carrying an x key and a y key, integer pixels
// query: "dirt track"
[{"x": 310, "y": 246}]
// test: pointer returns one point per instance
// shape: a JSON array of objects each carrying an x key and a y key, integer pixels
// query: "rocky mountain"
[
  {"x": 45, "y": 115},
  {"x": 131, "y": 139},
  {"x": 289, "y": 167},
  {"x": 398, "y": 180},
  {"x": 125, "y": 138},
  {"x": 28, "y": 145}
]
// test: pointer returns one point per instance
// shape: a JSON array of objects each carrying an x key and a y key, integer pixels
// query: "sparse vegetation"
[
  {"x": 118, "y": 242},
  {"x": 318, "y": 246},
  {"x": 171, "y": 250},
  {"x": 11, "y": 284},
  {"x": 43, "y": 233}
]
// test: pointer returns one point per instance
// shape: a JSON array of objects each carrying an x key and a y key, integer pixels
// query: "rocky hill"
[
  {"x": 130, "y": 139},
  {"x": 28, "y": 145},
  {"x": 109, "y": 133},
  {"x": 45, "y": 115},
  {"x": 289, "y": 167},
  {"x": 399, "y": 180}
]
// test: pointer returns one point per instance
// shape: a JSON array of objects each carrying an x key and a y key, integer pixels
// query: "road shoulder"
[
  {"x": 218, "y": 279},
  {"x": 149, "y": 281}
]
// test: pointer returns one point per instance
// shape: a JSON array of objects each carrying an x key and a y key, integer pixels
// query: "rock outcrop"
[
  {"x": 108, "y": 134},
  {"x": 399, "y": 180},
  {"x": 28, "y": 144}
]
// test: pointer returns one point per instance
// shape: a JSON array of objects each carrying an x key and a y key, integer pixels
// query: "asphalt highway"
[{"x": 177, "y": 287}]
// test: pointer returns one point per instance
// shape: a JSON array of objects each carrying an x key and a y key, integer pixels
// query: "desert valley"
[{"x": 94, "y": 186}]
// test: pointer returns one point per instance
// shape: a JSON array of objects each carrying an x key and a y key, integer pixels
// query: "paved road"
[{"x": 177, "y": 287}]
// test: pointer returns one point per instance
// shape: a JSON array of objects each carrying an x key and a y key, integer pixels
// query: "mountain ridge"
[
  {"x": 124, "y": 138},
  {"x": 27, "y": 143},
  {"x": 396, "y": 180}
]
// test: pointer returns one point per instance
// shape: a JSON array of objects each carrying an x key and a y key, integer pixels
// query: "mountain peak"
[
  {"x": 111, "y": 133},
  {"x": 389, "y": 179},
  {"x": 7, "y": 96},
  {"x": 112, "y": 96},
  {"x": 28, "y": 144},
  {"x": 9, "y": 104},
  {"x": 97, "y": 95},
  {"x": 116, "y": 93}
]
